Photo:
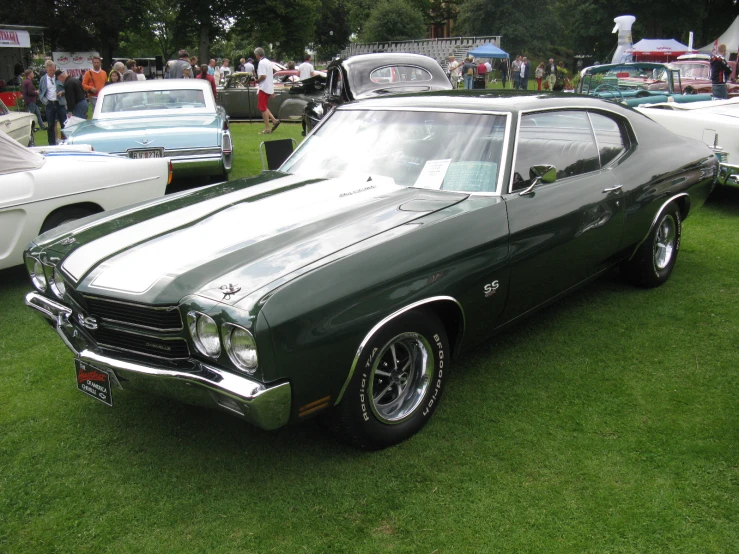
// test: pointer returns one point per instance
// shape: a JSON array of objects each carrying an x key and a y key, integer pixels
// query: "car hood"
[
  {"x": 246, "y": 239},
  {"x": 169, "y": 132}
]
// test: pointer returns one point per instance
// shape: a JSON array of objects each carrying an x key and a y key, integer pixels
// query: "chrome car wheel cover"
[
  {"x": 400, "y": 378},
  {"x": 664, "y": 242}
]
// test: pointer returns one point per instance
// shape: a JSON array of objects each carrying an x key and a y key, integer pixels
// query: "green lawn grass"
[{"x": 606, "y": 423}]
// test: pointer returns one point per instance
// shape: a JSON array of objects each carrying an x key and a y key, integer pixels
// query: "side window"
[
  {"x": 563, "y": 139},
  {"x": 609, "y": 137}
]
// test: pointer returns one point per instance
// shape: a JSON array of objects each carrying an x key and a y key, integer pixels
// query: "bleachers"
[{"x": 437, "y": 48}]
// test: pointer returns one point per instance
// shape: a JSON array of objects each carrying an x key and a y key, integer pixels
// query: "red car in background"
[{"x": 695, "y": 75}]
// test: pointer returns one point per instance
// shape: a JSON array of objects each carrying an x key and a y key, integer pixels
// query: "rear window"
[
  {"x": 399, "y": 74},
  {"x": 137, "y": 101}
]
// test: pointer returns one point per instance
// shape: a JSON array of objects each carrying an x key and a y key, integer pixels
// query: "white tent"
[{"x": 730, "y": 38}]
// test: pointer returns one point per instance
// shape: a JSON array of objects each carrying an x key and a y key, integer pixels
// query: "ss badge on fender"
[{"x": 491, "y": 288}]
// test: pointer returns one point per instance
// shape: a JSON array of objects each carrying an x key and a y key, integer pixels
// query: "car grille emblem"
[{"x": 87, "y": 322}]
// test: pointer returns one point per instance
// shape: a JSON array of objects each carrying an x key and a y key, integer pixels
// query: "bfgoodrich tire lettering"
[
  {"x": 654, "y": 260},
  {"x": 397, "y": 382}
]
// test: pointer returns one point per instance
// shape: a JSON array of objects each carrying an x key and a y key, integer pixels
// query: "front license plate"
[
  {"x": 93, "y": 382},
  {"x": 144, "y": 154}
]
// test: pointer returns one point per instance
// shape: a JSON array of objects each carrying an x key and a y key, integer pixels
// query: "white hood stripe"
[{"x": 136, "y": 271}]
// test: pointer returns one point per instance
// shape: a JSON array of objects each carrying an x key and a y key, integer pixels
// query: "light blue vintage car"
[{"x": 173, "y": 118}]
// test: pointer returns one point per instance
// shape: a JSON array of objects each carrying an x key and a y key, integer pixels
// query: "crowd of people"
[{"x": 479, "y": 74}]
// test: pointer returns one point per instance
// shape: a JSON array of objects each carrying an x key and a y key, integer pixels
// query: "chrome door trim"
[{"x": 386, "y": 320}]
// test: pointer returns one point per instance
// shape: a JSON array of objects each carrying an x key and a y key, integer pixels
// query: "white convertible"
[
  {"x": 715, "y": 122},
  {"x": 19, "y": 125},
  {"x": 39, "y": 192}
]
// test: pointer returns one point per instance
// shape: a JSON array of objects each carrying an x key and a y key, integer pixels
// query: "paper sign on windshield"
[{"x": 432, "y": 174}]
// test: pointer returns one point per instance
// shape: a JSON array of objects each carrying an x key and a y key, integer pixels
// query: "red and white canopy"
[{"x": 656, "y": 49}]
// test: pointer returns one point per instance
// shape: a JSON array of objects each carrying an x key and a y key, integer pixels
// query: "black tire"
[
  {"x": 64, "y": 215},
  {"x": 654, "y": 260},
  {"x": 32, "y": 136},
  {"x": 372, "y": 419}
]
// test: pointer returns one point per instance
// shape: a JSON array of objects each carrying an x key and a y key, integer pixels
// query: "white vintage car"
[
  {"x": 19, "y": 125},
  {"x": 716, "y": 123},
  {"x": 39, "y": 192}
]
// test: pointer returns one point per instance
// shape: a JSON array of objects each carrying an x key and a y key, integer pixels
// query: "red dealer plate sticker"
[{"x": 93, "y": 382}]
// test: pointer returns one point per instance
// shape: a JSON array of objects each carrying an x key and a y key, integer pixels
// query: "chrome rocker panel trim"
[
  {"x": 389, "y": 318},
  {"x": 266, "y": 407}
]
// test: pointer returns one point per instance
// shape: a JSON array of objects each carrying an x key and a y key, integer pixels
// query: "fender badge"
[{"x": 67, "y": 241}]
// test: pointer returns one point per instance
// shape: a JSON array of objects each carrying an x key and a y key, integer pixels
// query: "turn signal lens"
[
  {"x": 204, "y": 332},
  {"x": 241, "y": 347},
  {"x": 36, "y": 273}
]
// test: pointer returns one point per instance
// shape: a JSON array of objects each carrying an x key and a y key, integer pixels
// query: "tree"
[
  {"x": 395, "y": 20},
  {"x": 332, "y": 29}
]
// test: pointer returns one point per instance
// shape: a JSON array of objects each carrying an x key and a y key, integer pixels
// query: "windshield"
[
  {"x": 625, "y": 78},
  {"x": 136, "y": 101},
  {"x": 693, "y": 70},
  {"x": 435, "y": 150}
]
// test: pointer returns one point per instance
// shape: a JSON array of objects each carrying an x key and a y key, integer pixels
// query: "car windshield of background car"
[
  {"x": 434, "y": 150},
  {"x": 138, "y": 101},
  {"x": 693, "y": 70}
]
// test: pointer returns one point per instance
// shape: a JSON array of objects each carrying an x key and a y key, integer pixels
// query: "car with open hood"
[
  {"x": 161, "y": 118},
  {"x": 403, "y": 231}
]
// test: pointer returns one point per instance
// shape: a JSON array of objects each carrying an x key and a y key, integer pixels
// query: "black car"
[{"x": 373, "y": 75}]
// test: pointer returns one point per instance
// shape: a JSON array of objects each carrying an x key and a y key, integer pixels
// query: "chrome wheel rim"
[
  {"x": 400, "y": 378},
  {"x": 664, "y": 242}
]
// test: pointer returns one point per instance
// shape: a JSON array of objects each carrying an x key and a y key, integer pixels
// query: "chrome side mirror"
[{"x": 540, "y": 174}]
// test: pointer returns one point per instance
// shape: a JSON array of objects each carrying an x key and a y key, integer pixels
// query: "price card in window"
[{"x": 432, "y": 174}]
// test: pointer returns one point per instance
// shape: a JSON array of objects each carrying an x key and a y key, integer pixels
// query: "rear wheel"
[
  {"x": 654, "y": 260},
  {"x": 32, "y": 136},
  {"x": 397, "y": 383}
]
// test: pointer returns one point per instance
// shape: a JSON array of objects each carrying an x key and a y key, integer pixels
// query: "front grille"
[
  {"x": 174, "y": 348},
  {"x": 160, "y": 318}
]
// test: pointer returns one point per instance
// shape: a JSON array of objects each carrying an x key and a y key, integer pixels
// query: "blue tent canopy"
[{"x": 488, "y": 51}]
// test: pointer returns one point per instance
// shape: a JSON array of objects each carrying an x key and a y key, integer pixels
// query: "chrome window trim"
[
  {"x": 392, "y": 316},
  {"x": 656, "y": 218},
  {"x": 506, "y": 135},
  {"x": 565, "y": 109},
  {"x": 620, "y": 132}
]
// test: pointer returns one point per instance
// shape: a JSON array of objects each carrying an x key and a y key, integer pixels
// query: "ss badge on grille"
[{"x": 87, "y": 322}]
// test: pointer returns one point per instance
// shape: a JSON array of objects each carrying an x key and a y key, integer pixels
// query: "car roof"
[{"x": 486, "y": 101}]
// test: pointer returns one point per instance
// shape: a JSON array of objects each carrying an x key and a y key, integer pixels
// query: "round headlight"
[
  {"x": 36, "y": 272},
  {"x": 241, "y": 347},
  {"x": 57, "y": 284},
  {"x": 204, "y": 333}
]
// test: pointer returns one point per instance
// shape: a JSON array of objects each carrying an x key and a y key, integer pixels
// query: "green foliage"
[
  {"x": 395, "y": 20},
  {"x": 332, "y": 29}
]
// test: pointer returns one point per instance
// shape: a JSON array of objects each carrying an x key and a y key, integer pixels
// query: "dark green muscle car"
[{"x": 401, "y": 232}]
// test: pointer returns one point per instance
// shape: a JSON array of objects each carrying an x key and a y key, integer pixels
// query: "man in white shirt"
[
  {"x": 306, "y": 69},
  {"x": 266, "y": 90},
  {"x": 51, "y": 94},
  {"x": 225, "y": 70}
]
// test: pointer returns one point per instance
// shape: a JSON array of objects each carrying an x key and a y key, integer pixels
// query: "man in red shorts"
[{"x": 266, "y": 91}]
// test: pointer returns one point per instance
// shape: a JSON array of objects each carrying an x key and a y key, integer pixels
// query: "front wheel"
[
  {"x": 397, "y": 383},
  {"x": 654, "y": 260}
]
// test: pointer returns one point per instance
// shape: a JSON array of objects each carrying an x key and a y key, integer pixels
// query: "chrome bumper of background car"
[
  {"x": 728, "y": 175},
  {"x": 265, "y": 407}
]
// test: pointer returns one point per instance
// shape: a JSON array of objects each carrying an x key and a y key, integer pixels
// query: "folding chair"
[{"x": 275, "y": 152}]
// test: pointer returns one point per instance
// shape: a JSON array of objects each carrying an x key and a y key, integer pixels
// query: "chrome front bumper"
[
  {"x": 728, "y": 174},
  {"x": 265, "y": 407}
]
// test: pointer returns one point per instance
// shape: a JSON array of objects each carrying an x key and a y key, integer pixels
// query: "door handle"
[{"x": 613, "y": 188}]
